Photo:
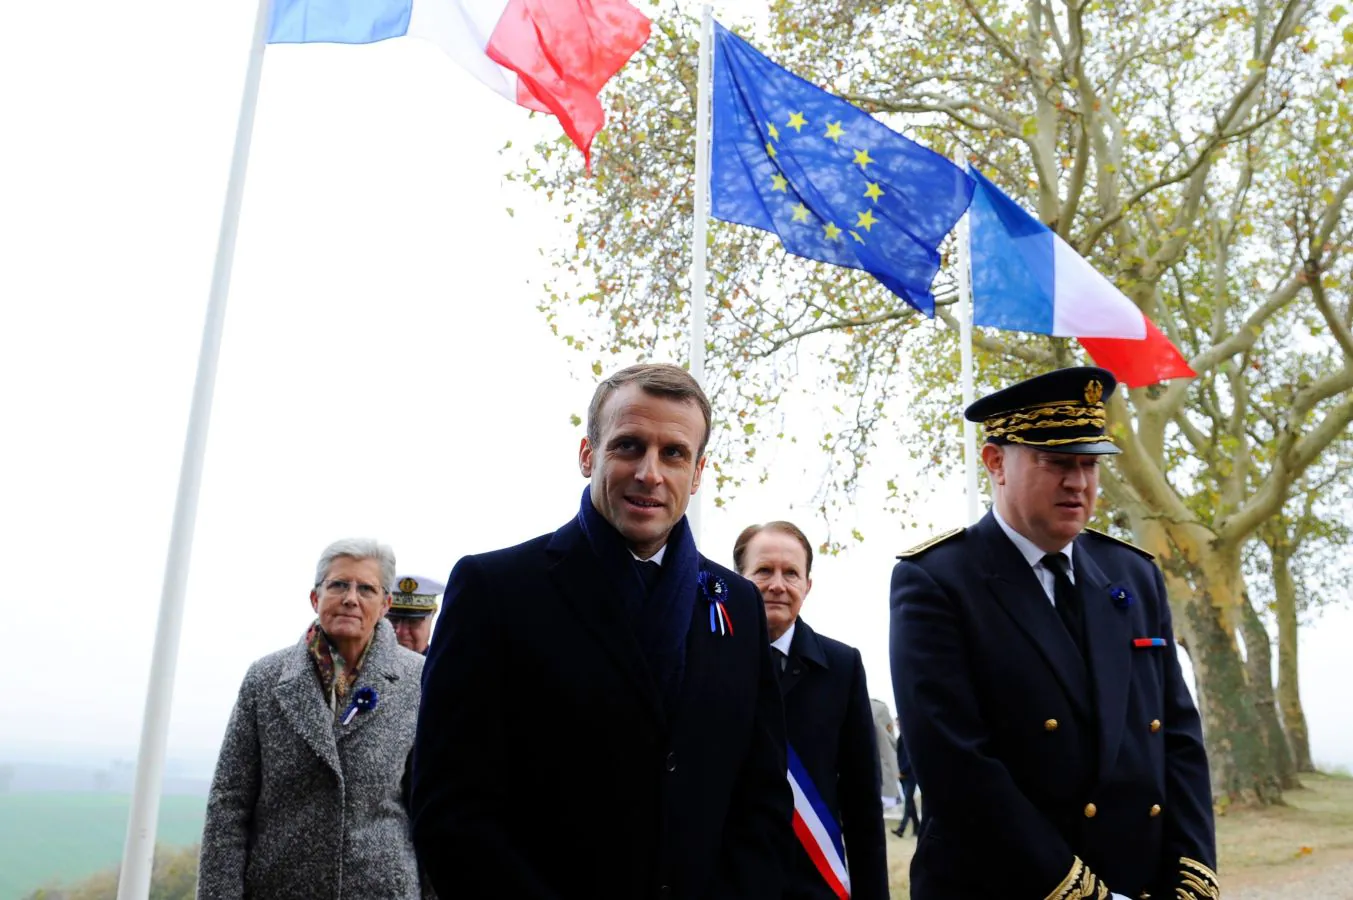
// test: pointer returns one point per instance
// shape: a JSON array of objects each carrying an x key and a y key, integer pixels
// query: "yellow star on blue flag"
[{"x": 827, "y": 167}]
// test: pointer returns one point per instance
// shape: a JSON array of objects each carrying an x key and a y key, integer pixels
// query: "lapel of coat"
[
  {"x": 1108, "y": 635},
  {"x": 577, "y": 574},
  {"x": 301, "y": 698},
  {"x": 702, "y": 651},
  {"x": 804, "y": 648},
  {"x": 378, "y": 673},
  {"x": 1016, "y": 588}
]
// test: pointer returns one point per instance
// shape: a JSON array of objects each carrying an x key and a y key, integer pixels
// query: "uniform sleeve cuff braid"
[
  {"x": 1196, "y": 881},
  {"x": 1079, "y": 883}
]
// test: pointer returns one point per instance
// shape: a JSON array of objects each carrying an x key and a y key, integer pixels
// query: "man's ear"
[
  {"x": 993, "y": 457},
  {"x": 585, "y": 458},
  {"x": 699, "y": 471}
]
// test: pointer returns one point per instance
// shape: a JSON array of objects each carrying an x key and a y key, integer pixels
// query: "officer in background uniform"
[
  {"x": 1037, "y": 681},
  {"x": 412, "y": 605}
]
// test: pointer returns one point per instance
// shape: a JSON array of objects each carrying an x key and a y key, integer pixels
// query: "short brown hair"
[
  {"x": 658, "y": 379},
  {"x": 751, "y": 531}
]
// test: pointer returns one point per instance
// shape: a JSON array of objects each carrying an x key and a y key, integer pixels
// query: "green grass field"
[{"x": 48, "y": 837}]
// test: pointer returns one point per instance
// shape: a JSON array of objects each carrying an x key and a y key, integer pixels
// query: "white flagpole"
[
  {"x": 139, "y": 850},
  {"x": 700, "y": 214},
  {"x": 964, "y": 258}
]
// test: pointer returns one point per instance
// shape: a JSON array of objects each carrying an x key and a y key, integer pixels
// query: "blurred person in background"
[
  {"x": 309, "y": 794},
  {"x": 908, "y": 779},
  {"x": 412, "y": 606},
  {"x": 833, "y": 758},
  {"x": 887, "y": 749}
]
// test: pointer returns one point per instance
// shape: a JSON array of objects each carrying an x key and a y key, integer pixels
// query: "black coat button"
[
  {"x": 664, "y": 892},
  {"x": 671, "y": 762}
]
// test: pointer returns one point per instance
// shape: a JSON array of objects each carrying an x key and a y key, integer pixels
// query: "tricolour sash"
[{"x": 817, "y": 830}]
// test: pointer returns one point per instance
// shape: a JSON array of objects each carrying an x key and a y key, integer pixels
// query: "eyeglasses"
[{"x": 339, "y": 588}]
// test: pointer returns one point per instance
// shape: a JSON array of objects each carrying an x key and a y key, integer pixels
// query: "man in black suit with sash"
[
  {"x": 646, "y": 664},
  {"x": 1056, "y": 744},
  {"x": 834, "y": 761}
]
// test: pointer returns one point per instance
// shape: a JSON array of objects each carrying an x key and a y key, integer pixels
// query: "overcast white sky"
[{"x": 384, "y": 370}]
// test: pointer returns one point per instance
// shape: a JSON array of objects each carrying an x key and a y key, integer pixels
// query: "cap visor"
[{"x": 1098, "y": 448}]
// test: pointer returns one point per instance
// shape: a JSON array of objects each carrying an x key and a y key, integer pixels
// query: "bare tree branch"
[
  {"x": 1233, "y": 489},
  {"x": 934, "y": 102},
  {"x": 834, "y": 325},
  {"x": 1296, "y": 454},
  {"x": 1195, "y": 172},
  {"x": 997, "y": 41},
  {"x": 1240, "y": 340},
  {"x": 1194, "y": 435},
  {"x": 1000, "y": 348},
  {"x": 1322, "y": 303}
]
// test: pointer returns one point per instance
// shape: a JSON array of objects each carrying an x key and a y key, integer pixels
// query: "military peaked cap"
[
  {"x": 415, "y": 596},
  {"x": 1062, "y": 410}
]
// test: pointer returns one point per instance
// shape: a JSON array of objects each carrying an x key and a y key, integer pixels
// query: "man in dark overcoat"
[
  {"x": 1038, "y": 687},
  {"x": 646, "y": 664},
  {"x": 834, "y": 757}
]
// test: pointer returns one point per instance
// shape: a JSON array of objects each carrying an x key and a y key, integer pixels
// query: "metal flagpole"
[
  {"x": 704, "y": 71},
  {"x": 139, "y": 850},
  {"x": 964, "y": 257}
]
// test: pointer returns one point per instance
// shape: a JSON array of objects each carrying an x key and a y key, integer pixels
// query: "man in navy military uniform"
[
  {"x": 412, "y": 605},
  {"x": 1056, "y": 744},
  {"x": 834, "y": 759},
  {"x": 647, "y": 669}
]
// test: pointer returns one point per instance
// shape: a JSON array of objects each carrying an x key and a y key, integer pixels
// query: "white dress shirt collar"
[
  {"x": 1031, "y": 552},
  {"x": 783, "y": 641},
  {"x": 656, "y": 557}
]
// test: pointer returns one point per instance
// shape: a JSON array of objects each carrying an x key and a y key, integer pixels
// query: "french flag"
[
  {"x": 553, "y": 56},
  {"x": 1026, "y": 278}
]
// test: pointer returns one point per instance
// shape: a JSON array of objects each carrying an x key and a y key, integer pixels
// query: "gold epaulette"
[
  {"x": 1108, "y": 537},
  {"x": 1079, "y": 883},
  {"x": 1197, "y": 881},
  {"x": 933, "y": 542}
]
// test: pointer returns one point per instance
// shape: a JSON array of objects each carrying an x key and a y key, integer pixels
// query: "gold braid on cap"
[
  {"x": 1043, "y": 416},
  {"x": 1057, "y": 442},
  {"x": 1080, "y": 883},
  {"x": 1196, "y": 881}
]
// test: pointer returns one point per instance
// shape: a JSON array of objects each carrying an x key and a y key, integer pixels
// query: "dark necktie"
[
  {"x": 650, "y": 572},
  {"x": 1066, "y": 598},
  {"x": 781, "y": 662}
]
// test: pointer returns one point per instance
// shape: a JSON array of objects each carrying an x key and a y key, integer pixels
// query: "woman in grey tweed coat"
[{"x": 308, "y": 800}]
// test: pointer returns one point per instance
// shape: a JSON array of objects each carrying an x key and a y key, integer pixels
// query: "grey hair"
[{"x": 358, "y": 548}]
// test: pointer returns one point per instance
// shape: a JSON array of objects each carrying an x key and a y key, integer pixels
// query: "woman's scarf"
[
  {"x": 336, "y": 676},
  {"x": 660, "y": 619}
]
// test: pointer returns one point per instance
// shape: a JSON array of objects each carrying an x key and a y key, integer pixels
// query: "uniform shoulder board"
[
  {"x": 933, "y": 542},
  {"x": 1112, "y": 539}
]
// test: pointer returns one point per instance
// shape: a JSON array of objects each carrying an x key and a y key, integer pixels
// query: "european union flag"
[{"x": 833, "y": 183}]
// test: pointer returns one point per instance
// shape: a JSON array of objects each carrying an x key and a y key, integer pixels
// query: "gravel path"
[{"x": 1330, "y": 882}]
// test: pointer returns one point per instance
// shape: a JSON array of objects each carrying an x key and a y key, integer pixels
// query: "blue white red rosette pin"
[
  {"x": 715, "y": 590},
  {"x": 364, "y": 700}
]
